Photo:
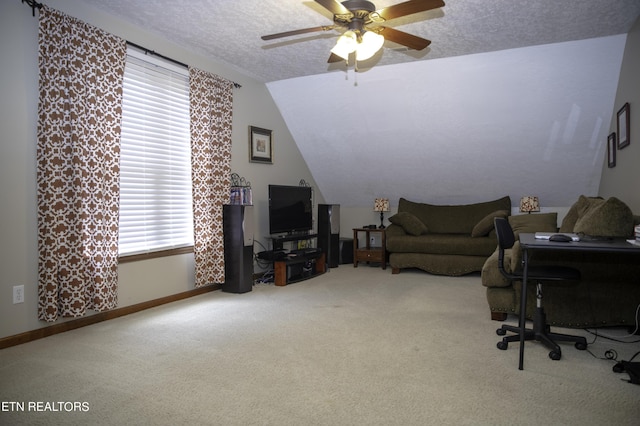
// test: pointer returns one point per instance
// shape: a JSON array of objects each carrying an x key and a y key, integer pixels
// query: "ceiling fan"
[{"x": 363, "y": 34}]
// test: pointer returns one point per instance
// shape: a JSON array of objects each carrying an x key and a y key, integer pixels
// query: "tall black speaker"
[
  {"x": 329, "y": 233},
  {"x": 238, "y": 248}
]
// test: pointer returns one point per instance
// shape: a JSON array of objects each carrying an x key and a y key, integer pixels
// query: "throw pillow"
[
  {"x": 540, "y": 222},
  {"x": 610, "y": 218},
  {"x": 578, "y": 209},
  {"x": 411, "y": 224},
  {"x": 485, "y": 225}
]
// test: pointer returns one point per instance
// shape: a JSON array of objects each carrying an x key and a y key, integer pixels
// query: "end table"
[{"x": 369, "y": 253}]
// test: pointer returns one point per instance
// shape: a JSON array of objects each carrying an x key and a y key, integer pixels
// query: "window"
[{"x": 155, "y": 163}]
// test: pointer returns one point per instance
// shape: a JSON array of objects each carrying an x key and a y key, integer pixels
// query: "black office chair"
[{"x": 540, "y": 332}]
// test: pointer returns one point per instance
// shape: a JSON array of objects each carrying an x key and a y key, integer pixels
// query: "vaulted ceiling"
[
  {"x": 528, "y": 121},
  {"x": 512, "y": 97}
]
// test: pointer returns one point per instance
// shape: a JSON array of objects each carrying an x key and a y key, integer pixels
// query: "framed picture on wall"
[
  {"x": 260, "y": 145},
  {"x": 611, "y": 150},
  {"x": 623, "y": 126}
]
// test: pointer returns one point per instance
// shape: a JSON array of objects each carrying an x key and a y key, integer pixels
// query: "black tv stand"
[{"x": 299, "y": 265}]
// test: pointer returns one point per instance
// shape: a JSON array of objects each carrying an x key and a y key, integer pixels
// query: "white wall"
[
  {"x": 138, "y": 281},
  {"x": 462, "y": 129},
  {"x": 622, "y": 181}
]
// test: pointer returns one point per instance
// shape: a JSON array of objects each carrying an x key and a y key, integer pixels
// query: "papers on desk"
[{"x": 547, "y": 235}]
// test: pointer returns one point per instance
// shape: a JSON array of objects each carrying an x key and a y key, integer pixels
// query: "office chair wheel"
[
  {"x": 580, "y": 346},
  {"x": 555, "y": 355},
  {"x": 501, "y": 332},
  {"x": 502, "y": 345}
]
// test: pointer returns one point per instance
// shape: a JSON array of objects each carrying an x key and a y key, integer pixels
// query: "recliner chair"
[{"x": 541, "y": 331}]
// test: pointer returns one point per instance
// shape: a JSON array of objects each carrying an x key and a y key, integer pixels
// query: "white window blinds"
[{"x": 155, "y": 163}]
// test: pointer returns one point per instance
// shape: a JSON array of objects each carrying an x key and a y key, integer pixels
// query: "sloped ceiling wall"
[{"x": 529, "y": 121}]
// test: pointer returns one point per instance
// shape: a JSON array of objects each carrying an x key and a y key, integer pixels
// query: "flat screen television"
[{"x": 290, "y": 209}]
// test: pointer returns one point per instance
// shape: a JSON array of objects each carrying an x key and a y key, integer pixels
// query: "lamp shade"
[
  {"x": 345, "y": 45},
  {"x": 529, "y": 204},
  {"x": 370, "y": 44},
  {"x": 381, "y": 205}
]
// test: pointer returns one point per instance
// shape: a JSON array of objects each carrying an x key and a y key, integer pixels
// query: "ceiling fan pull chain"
[{"x": 355, "y": 75}]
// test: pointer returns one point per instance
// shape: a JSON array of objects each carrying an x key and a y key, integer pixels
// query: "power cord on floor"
[
  {"x": 617, "y": 339},
  {"x": 620, "y": 366},
  {"x": 609, "y": 354},
  {"x": 266, "y": 278},
  {"x": 634, "y": 333}
]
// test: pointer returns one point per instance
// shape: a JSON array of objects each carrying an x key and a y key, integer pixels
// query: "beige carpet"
[{"x": 352, "y": 347}]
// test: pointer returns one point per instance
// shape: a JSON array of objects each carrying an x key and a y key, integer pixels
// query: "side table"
[{"x": 369, "y": 253}]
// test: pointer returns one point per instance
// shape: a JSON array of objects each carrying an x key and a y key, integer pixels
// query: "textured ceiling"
[{"x": 230, "y": 30}]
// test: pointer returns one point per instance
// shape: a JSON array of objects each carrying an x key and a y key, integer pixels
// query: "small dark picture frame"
[
  {"x": 624, "y": 120},
  {"x": 611, "y": 150},
  {"x": 260, "y": 145}
]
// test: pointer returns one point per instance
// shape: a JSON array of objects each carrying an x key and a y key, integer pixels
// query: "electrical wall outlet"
[{"x": 18, "y": 294}]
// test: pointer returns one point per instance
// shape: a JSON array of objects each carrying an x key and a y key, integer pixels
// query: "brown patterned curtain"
[
  {"x": 211, "y": 100},
  {"x": 81, "y": 73}
]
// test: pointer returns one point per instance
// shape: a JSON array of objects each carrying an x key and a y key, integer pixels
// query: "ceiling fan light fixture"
[
  {"x": 355, "y": 16},
  {"x": 371, "y": 42},
  {"x": 346, "y": 44}
]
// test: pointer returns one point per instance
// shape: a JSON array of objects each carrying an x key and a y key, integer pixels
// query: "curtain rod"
[
  {"x": 181, "y": 64},
  {"x": 35, "y": 5},
  {"x": 151, "y": 52}
]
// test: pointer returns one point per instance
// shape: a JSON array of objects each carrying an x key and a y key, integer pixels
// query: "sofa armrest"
[
  {"x": 514, "y": 261},
  {"x": 491, "y": 276},
  {"x": 394, "y": 230}
]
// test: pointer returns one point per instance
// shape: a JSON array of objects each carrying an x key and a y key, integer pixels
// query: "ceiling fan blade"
[
  {"x": 405, "y": 39},
  {"x": 296, "y": 32},
  {"x": 334, "y": 58},
  {"x": 408, "y": 8},
  {"x": 334, "y": 7}
]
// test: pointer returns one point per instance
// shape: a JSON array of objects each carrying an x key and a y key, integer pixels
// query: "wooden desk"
[{"x": 529, "y": 243}]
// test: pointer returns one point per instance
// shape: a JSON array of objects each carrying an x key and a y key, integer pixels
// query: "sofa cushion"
[
  {"x": 540, "y": 222},
  {"x": 409, "y": 222},
  {"x": 606, "y": 218},
  {"x": 485, "y": 225},
  {"x": 452, "y": 219}
]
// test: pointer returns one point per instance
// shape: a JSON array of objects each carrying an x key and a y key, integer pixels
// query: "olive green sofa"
[
  {"x": 443, "y": 239},
  {"x": 609, "y": 291}
]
